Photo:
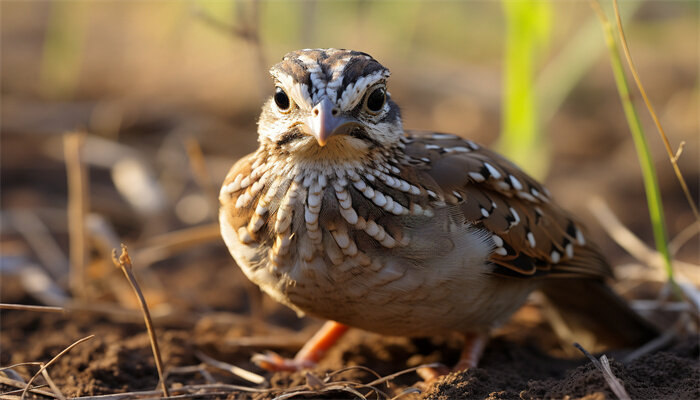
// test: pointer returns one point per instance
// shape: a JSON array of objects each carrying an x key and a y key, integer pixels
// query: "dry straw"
[{"x": 124, "y": 262}]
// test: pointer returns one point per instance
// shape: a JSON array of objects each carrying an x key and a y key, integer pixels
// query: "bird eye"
[
  {"x": 281, "y": 99},
  {"x": 375, "y": 100}
]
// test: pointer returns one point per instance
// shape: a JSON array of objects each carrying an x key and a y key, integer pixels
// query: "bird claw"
[{"x": 273, "y": 362}]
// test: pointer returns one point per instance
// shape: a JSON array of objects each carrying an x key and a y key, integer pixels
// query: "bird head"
[{"x": 330, "y": 102}]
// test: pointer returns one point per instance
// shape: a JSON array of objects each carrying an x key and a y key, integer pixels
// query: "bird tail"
[{"x": 591, "y": 305}]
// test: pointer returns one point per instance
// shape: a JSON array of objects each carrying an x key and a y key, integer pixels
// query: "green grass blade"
[
  {"x": 62, "y": 52},
  {"x": 651, "y": 185},
  {"x": 528, "y": 28}
]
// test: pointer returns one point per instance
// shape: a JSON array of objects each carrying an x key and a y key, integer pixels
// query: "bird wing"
[{"x": 532, "y": 235}]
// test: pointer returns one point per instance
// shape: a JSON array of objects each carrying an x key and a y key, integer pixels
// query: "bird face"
[{"x": 330, "y": 102}]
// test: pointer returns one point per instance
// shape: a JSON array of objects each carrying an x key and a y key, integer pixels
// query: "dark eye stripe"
[{"x": 289, "y": 137}]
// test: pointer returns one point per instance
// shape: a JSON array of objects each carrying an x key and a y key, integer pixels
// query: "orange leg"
[
  {"x": 474, "y": 344},
  {"x": 309, "y": 355}
]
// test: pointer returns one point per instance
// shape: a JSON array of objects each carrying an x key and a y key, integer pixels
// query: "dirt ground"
[
  {"x": 523, "y": 361},
  {"x": 161, "y": 134}
]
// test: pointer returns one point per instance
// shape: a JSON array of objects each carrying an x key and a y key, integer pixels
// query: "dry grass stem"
[
  {"x": 191, "y": 369},
  {"x": 186, "y": 391},
  {"x": 169, "y": 244},
  {"x": 22, "y": 386},
  {"x": 393, "y": 376},
  {"x": 604, "y": 367},
  {"x": 12, "y": 374},
  {"x": 679, "y": 152},
  {"x": 632, "y": 244},
  {"x": 407, "y": 391},
  {"x": 124, "y": 262},
  {"x": 269, "y": 341},
  {"x": 313, "y": 381},
  {"x": 119, "y": 314},
  {"x": 683, "y": 237},
  {"x": 643, "y": 92},
  {"x": 102, "y": 234},
  {"x": 42, "y": 242},
  {"x": 657, "y": 344},
  {"x": 23, "y": 307},
  {"x": 53, "y": 360},
  {"x": 692, "y": 295},
  {"x": 654, "y": 305},
  {"x": 403, "y": 372},
  {"x": 52, "y": 385},
  {"x": 78, "y": 206},
  {"x": 327, "y": 389},
  {"x": 239, "y": 372},
  {"x": 12, "y": 394},
  {"x": 40, "y": 285},
  {"x": 350, "y": 368}
]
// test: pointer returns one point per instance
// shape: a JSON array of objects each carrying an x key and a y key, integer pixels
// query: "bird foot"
[
  {"x": 473, "y": 348},
  {"x": 273, "y": 362},
  {"x": 308, "y": 356}
]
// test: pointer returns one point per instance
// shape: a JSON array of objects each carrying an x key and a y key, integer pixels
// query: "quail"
[{"x": 344, "y": 215}]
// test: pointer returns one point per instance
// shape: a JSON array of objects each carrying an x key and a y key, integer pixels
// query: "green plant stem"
[
  {"x": 527, "y": 35},
  {"x": 651, "y": 185}
]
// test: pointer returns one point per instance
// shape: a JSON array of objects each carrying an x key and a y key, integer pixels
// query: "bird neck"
[{"x": 337, "y": 160}]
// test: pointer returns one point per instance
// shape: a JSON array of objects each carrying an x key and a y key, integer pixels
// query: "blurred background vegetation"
[{"x": 169, "y": 92}]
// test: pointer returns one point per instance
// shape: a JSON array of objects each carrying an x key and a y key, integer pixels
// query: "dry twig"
[
  {"x": 185, "y": 391},
  {"x": 190, "y": 369},
  {"x": 22, "y": 386},
  {"x": 42, "y": 242},
  {"x": 239, "y": 372},
  {"x": 683, "y": 237},
  {"x": 52, "y": 385},
  {"x": 604, "y": 367},
  {"x": 166, "y": 245},
  {"x": 124, "y": 262},
  {"x": 405, "y": 371},
  {"x": 315, "y": 386},
  {"x": 78, "y": 205},
  {"x": 673, "y": 157},
  {"x": 634, "y": 246},
  {"x": 10, "y": 373},
  {"x": 24, "y": 307},
  {"x": 407, "y": 391},
  {"x": 326, "y": 389},
  {"x": 658, "y": 343},
  {"x": 53, "y": 360}
]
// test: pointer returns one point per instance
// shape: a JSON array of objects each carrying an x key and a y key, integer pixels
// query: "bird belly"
[
  {"x": 396, "y": 295},
  {"x": 404, "y": 299}
]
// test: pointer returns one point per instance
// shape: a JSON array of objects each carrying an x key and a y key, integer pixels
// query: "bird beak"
[{"x": 326, "y": 121}]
